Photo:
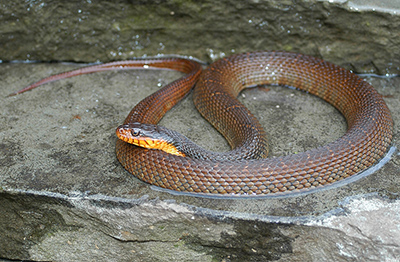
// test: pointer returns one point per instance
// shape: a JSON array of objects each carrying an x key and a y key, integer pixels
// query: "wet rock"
[
  {"x": 65, "y": 197},
  {"x": 360, "y": 35}
]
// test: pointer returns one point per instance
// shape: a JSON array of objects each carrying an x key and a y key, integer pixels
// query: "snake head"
[{"x": 147, "y": 136}]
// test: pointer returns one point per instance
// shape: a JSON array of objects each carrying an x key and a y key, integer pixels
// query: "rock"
[
  {"x": 359, "y": 35},
  {"x": 65, "y": 197}
]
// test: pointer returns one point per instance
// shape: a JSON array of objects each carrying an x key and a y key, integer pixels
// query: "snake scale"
[{"x": 245, "y": 170}]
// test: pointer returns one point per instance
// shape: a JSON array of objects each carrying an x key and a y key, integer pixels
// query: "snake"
[{"x": 167, "y": 159}]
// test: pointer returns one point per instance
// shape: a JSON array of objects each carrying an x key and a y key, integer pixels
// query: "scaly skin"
[{"x": 369, "y": 134}]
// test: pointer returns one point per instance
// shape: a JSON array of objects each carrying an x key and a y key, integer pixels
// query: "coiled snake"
[{"x": 244, "y": 170}]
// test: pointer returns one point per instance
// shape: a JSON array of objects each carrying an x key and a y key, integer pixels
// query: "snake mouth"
[{"x": 138, "y": 138}]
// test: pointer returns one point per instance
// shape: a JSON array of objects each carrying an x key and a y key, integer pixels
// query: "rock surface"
[
  {"x": 360, "y": 35},
  {"x": 65, "y": 197}
]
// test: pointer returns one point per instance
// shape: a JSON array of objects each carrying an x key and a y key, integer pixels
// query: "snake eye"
[{"x": 135, "y": 132}]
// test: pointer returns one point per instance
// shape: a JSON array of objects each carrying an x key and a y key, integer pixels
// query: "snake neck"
[{"x": 192, "y": 150}]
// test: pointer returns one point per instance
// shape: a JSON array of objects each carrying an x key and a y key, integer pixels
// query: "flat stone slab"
[{"x": 65, "y": 197}]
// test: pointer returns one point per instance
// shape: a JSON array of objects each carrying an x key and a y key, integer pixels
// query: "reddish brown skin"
[{"x": 367, "y": 139}]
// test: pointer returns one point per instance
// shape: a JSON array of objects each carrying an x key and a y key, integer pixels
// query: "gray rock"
[
  {"x": 65, "y": 197},
  {"x": 360, "y": 35}
]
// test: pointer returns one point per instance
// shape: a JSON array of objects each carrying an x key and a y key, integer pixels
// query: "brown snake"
[{"x": 368, "y": 136}]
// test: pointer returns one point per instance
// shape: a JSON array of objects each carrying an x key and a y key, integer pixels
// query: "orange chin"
[{"x": 148, "y": 143}]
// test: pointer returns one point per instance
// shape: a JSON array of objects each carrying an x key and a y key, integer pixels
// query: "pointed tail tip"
[
  {"x": 12, "y": 94},
  {"x": 20, "y": 91}
]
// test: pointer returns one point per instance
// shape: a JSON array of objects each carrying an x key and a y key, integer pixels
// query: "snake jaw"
[{"x": 146, "y": 136}]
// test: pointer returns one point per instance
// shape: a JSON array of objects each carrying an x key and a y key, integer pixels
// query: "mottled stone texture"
[
  {"x": 365, "y": 38},
  {"x": 65, "y": 197}
]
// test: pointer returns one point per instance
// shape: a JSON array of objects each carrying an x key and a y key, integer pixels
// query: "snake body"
[
  {"x": 367, "y": 139},
  {"x": 368, "y": 136}
]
